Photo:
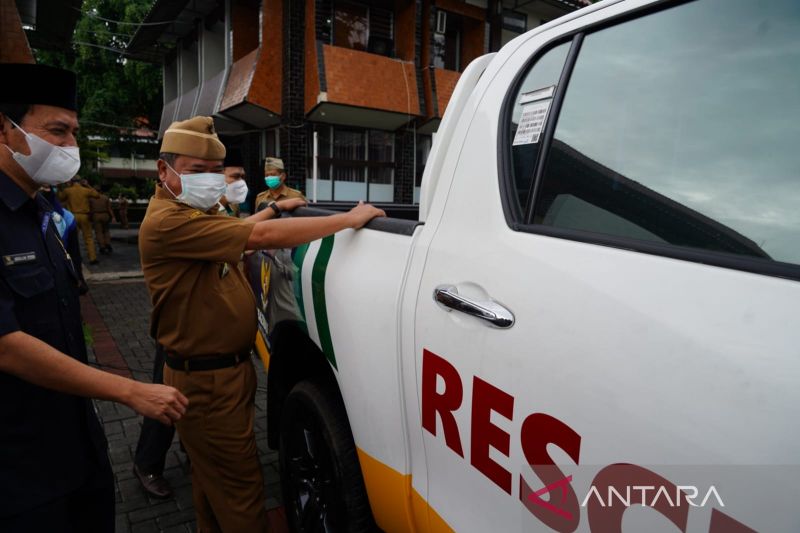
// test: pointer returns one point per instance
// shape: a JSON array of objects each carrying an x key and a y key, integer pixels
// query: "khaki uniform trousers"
[
  {"x": 85, "y": 227},
  {"x": 217, "y": 432},
  {"x": 100, "y": 222}
]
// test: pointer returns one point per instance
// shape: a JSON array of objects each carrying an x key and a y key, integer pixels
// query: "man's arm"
[
  {"x": 289, "y": 204},
  {"x": 287, "y": 233},
  {"x": 36, "y": 362}
]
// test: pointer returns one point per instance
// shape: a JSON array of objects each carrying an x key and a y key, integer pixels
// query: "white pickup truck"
[{"x": 593, "y": 324}]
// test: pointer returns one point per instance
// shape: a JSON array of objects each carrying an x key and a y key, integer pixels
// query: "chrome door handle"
[{"x": 495, "y": 314}]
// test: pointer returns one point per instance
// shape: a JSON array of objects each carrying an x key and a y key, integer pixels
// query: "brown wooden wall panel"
[
  {"x": 370, "y": 80},
  {"x": 239, "y": 81},
  {"x": 472, "y": 47},
  {"x": 405, "y": 29},
  {"x": 265, "y": 90},
  {"x": 312, "y": 88},
  {"x": 425, "y": 59},
  {"x": 244, "y": 23},
  {"x": 445, "y": 85},
  {"x": 14, "y": 47}
]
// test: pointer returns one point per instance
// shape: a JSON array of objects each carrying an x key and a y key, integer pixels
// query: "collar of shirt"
[
  {"x": 16, "y": 173},
  {"x": 42, "y": 203},
  {"x": 11, "y": 193},
  {"x": 162, "y": 193},
  {"x": 275, "y": 194}
]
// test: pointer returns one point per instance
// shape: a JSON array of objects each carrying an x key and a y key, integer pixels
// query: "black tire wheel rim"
[{"x": 312, "y": 482}]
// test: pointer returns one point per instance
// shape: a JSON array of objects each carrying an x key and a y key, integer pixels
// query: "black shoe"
[
  {"x": 109, "y": 249},
  {"x": 153, "y": 484}
]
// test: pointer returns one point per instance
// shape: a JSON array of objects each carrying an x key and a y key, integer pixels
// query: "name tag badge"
[{"x": 19, "y": 259}]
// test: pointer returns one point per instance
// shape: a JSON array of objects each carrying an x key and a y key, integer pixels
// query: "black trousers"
[
  {"x": 90, "y": 509},
  {"x": 155, "y": 438}
]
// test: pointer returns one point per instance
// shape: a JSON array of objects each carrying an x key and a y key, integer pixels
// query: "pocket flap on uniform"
[{"x": 29, "y": 282}]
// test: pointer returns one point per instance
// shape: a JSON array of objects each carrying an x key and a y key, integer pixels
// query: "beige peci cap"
[
  {"x": 273, "y": 162},
  {"x": 194, "y": 137}
]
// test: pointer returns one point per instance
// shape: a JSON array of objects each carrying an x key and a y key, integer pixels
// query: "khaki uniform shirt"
[
  {"x": 101, "y": 204},
  {"x": 271, "y": 196},
  {"x": 76, "y": 198},
  {"x": 202, "y": 303}
]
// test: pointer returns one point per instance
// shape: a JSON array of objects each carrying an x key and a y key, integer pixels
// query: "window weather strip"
[{"x": 550, "y": 126}]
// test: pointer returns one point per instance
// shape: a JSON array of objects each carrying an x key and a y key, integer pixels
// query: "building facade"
[
  {"x": 35, "y": 24},
  {"x": 347, "y": 92}
]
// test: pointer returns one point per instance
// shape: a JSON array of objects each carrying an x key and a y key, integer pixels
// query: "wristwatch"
[{"x": 274, "y": 206}]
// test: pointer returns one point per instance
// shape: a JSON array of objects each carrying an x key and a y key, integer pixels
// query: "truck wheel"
[{"x": 320, "y": 474}]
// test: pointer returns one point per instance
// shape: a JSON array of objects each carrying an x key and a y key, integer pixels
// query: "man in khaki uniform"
[
  {"x": 275, "y": 179},
  {"x": 204, "y": 316},
  {"x": 76, "y": 199},
  {"x": 101, "y": 216},
  {"x": 123, "y": 210}
]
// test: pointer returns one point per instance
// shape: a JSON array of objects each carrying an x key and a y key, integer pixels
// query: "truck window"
[
  {"x": 681, "y": 127},
  {"x": 542, "y": 74}
]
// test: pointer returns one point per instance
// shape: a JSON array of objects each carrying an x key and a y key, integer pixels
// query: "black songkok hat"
[
  {"x": 28, "y": 83},
  {"x": 233, "y": 158}
]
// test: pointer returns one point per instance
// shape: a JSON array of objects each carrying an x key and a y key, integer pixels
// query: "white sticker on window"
[
  {"x": 539, "y": 94},
  {"x": 531, "y": 123}
]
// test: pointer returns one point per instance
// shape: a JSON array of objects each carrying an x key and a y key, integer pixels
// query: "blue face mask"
[{"x": 273, "y": 182}]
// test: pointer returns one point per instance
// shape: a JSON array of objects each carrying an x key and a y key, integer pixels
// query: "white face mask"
[
  {"x": 201, "y": 191},
  {"x": 236, "y": 192},
  {"x": 48, "y": 164}
]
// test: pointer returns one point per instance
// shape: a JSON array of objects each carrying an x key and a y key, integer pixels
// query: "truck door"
[{"x": 614, "y": 277}]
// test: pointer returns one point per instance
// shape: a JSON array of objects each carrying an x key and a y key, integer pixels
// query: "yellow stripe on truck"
[
  {"x": 262, "y": 350},
  {"x": 389, "y": 493}
]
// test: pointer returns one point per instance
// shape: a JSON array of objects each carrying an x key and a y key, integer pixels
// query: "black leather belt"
[{"x": 205, "y": 363}]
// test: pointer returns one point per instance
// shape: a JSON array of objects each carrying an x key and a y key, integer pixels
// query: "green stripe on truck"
[
  {"x": 298, "y": 257},
  {"x": 318, "y": 293}
]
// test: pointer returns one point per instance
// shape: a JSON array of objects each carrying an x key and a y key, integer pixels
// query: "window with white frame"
[
  {"x": 447, "y": 37},
  {"x": 354, "y": 164}
]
